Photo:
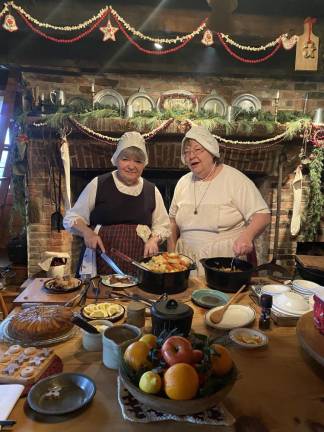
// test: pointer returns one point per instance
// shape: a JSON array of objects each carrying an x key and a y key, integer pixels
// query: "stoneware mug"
[{"x": 113, "y": 340}]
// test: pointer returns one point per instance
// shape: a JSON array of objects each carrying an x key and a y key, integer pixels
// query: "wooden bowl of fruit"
[{"x": 177, "y": 375}]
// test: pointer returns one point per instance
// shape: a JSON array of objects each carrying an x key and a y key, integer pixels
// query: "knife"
[
  {"x": 110, "y": 262},
  {"x": 6, "y": 423}
]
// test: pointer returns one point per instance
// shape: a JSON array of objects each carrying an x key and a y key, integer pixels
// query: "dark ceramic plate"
[
  {"x": 209, "y": 298},
  {"x": 61, "y": 394},
  {"x": 50, "y": 287}
]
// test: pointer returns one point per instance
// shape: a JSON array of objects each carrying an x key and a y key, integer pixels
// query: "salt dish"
[
  {"x": 291, "y": 302},
  {"x": 274, "y": 289},
  {"x": 248, "y": 338}
]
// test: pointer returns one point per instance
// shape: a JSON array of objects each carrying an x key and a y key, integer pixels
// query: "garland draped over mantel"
[{"x": 109, "y": 33}]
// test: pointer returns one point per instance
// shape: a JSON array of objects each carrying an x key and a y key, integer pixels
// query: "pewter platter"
[
  {"x": 247, "y": 102},
  {"x": 73, "y": 391},
  {"x": 214, "y": 104}
]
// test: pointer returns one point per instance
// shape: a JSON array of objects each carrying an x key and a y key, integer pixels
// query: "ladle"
[
  {"x": 128, "y": 259},
  {"x": 218, "y": 314}
]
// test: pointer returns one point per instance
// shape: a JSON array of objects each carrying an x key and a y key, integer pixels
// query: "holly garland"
[
  {"x": 109, "y": 33},
  {"x": 315, "y": 206}
]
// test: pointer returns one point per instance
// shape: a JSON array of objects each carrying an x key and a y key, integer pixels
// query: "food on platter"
[
  {"x": 229, "y": 269},
  {"x": 120, "y": 279},
  {"x": 249, "y": 339},
  {"x": 102, "y": 310},
  {"x": 167, "y": 262},
  {"x": 64, "y": 283},
  {"x": 24, "y": 365},
  {"x": 40, "y": 323},
  {"x": 178, "y": 368}
]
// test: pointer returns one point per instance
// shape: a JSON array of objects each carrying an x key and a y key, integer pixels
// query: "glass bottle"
[{"x": 266, "y": 304}]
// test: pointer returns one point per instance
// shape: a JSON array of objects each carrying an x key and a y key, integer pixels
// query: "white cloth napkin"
[
  {"x": 297, "y": 185},
  {"x": 48, "y": 256},
  {"x": 89, "y": 263},
  {"x": 65, "y": 155},
  {"x": 9, "y": 394}
]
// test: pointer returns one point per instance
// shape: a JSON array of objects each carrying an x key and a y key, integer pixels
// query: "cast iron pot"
[
  {"x": 160, "y": 283},
  {"x": 226, "y": 281},
  {"x": 313, "y": 275},
  {"x": 169, "y": 315}
]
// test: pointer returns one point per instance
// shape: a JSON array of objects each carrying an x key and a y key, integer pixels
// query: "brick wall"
[{"x": 164, "y": 151}]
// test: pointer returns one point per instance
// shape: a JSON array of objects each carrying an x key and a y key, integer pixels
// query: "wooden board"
[
  {"x": 307, "y": 51},
  {"x": 310, "y": 338},
  {"x": 311, "y": 261},
  {"x": 36, "y": 293}
]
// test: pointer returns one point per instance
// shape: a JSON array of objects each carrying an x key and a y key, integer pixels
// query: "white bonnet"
[
  {"x": 204, "y": 138},
  {"x": 130, "y": 139}
]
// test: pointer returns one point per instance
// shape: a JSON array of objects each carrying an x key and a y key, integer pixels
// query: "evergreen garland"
[{"x": 314, "y": 211}]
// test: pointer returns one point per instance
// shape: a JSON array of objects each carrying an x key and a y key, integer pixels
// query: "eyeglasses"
[{"x": 194, "y": 152}]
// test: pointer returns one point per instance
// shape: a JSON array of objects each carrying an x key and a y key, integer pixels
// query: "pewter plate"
[
  {"x": 247, "y": 102},
  {"x": 108, "y": 281},
  {"x": 214, "y": 104},
  {"x": 209, "y": 298},
  {"x": 73, "y": 391}
]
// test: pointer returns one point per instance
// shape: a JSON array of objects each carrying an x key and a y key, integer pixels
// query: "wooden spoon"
[{"x": 218, "y": 314}]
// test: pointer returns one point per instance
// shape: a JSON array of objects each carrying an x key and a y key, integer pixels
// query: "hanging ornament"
[
  {"x": 307, "y": 48},
  {"x": 289, "y": 43},
  {"x": 9, "y": 23},
  {"x": 207, "y": 39},
  {"x": 109, "y": 31}
]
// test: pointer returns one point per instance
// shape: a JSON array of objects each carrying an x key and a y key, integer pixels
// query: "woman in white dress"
[{"x": 216, "y": 210}]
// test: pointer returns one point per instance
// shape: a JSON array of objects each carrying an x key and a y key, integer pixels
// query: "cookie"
[
  {"x": 4, "y": 358},
  {"x": 30, "y": 351},
  {"x": 27, "y": 371},
  {"x": 14, "y": 349}
]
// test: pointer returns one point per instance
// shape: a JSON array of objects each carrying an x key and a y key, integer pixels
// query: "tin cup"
[{"x": 136, "y": 314}]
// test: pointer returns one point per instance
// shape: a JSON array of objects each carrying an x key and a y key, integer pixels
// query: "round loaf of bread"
[{"x": 40, "y": 323}]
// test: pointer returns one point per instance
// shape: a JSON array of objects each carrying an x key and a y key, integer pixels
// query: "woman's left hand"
[
  {"x": 151, "y": 246},
  {"x": 243, "y": 245}
]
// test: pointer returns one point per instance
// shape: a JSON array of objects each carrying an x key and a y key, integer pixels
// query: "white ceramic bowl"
[
  {"x": 248, "y": 338},
  {"x": 93, "y": 341},
  {"x": 291, "y": 302},
  {"x": 304, "y": 285},
  {"x": 274, "y": 289}
]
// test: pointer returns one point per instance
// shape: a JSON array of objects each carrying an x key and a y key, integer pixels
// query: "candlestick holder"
[
  {"x": 93, "y": 92},
  {"x": 276, "y": 106}
]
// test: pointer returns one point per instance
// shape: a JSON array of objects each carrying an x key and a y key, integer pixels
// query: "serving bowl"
[
  {"x": 184, "y": 407},
  {"x": 248, "y": 338},
  {"x": 226, "y": 281},
  {"x": 291, "y": 302}
]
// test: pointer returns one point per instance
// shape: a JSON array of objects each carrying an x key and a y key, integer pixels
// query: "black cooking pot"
[
  {"x": 313, "y": 275},
  {"x": 159, "y": 283},
  {"x": 169, "y": 315},
  {"x": 221, "y": 280}
]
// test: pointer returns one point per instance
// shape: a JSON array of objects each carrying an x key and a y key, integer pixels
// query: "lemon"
[{"x": 150, "y": 382}]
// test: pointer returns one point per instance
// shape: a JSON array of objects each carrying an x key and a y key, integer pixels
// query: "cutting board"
[
  {"x": 36, "y": 293},
  {"x": 310, "y": 338},
  {"x": 307, "y": 50},
  {"x": 311, "y": 261}
]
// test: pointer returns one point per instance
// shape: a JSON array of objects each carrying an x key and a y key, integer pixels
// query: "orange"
[
  {"x": 221, "y": 361},
  {"x": 136, "y": 355},
  {"x": 149, "y": 339},
  {"x": 181, "y": 381}
]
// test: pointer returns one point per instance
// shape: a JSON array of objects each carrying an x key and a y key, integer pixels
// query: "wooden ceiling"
[{"x": 254, "y": 21}]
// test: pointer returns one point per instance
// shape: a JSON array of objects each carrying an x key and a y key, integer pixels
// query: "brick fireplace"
[{"x": 90, "y": 158}]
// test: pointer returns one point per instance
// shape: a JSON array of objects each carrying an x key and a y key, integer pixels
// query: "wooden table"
[{"x": 275, "y": 384}]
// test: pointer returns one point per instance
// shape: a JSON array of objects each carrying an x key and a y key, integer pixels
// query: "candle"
[
  {"x": 278, "y": 94},
  {"x": 42, "y": 96},
  {"x": 93, "y": 87},
  {"x": 305, "y": 103},
  {"x": 62, "y": 97}
]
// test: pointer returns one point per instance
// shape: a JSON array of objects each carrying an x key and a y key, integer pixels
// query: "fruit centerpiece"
[{"x": 177, "y": 375}]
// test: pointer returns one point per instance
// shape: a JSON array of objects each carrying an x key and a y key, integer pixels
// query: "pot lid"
[{"x": 171, "y": 309}]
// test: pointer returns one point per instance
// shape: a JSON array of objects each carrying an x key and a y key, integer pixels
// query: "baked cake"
[{"x": 40, "y": 323}]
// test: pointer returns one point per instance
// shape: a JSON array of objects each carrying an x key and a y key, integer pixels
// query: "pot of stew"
[
  {"x": 220, "y": 275},
  {"x": 165, "y": 272}
]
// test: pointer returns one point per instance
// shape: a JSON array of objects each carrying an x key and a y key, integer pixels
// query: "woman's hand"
[
  {"x": 93, "y": 240},
  {"x": 243, "y": 245},
  {"x": 151, "y": 246}
]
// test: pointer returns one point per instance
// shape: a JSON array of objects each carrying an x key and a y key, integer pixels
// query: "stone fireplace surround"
[{"x": 90, "y": 158}]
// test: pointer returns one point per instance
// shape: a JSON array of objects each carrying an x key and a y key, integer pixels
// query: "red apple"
[
  {"x": 177, "y": 349},
  {"x": 197, "y": 356}
]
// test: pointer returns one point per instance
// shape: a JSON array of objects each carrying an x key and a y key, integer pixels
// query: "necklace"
[{"x": 197, "y": 205}]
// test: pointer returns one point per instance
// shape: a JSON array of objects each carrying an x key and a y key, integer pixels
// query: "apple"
[
  {"x": 177, "y": 349},
  {"x": 197, "y": 356}
]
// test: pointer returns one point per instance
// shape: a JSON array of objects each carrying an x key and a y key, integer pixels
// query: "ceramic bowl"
[
  {"x": 291, "y": 302},
  {"x": 93, "y": 341},
  {"x": 304, "y": 285},
  {"x": 274, "y": 289},
  {"x": 248, "y": 338}
]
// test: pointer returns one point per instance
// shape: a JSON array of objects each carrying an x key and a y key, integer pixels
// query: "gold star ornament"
[{"x": 109, "y": 31}]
